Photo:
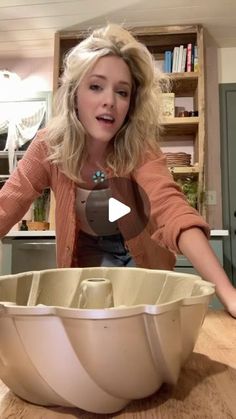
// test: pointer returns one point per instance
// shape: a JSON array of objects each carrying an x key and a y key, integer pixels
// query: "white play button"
[
  {"x": 124, "y": 203},
  {"x": 116, "y": 209}
]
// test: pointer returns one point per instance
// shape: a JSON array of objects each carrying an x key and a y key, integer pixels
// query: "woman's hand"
[
  {"x": 230, "y": 303},
  {"x": 195, "y": 246}
]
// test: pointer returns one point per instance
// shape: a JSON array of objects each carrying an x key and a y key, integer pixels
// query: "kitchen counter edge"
[{"x": 51, "y": 233}]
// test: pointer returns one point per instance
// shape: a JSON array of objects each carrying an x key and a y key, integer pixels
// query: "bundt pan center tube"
[{"x": 97, "y": 338}]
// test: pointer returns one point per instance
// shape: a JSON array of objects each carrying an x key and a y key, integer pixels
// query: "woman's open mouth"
[{"x": 106, "y": 119}]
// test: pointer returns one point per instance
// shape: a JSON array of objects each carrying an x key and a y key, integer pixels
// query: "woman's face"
[{"x": 103, "y": 98}]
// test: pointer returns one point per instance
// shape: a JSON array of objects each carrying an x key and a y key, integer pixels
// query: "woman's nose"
[{"x": 109, "y": 99}]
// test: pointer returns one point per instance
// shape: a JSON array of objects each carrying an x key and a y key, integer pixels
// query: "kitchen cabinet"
[
  {"x": 27, "y": 251},
  {"x": 184, "y": 265}
]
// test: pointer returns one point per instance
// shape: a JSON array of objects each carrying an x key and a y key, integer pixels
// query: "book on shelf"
[
  {"x": 168, "y": 62},
  {"x": 195, "y": 58},
  {"x": 184, "y": 57},
  {"x": 192, "y": 57},
  {"x": 180, "y": 58},
  {"x": 175, "y": 60},
  {"x": 189, "y": 58}
]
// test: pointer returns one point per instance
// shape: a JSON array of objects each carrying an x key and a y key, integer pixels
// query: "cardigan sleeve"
[
  {"x": 170, "y": 212},
  {"x": 27, "y": 182}
]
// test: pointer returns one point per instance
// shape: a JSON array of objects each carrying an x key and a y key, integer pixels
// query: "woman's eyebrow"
[{"x": 100, "y": 76}]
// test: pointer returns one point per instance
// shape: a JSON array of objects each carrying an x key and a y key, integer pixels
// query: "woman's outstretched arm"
[{"x": 195, "y": 246}]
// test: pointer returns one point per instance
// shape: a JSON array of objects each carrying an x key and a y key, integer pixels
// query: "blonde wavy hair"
[{"x": 140, "y": 132}]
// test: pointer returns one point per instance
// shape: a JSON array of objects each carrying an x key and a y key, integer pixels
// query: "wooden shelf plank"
[
  {"x": 180, "y": 125},
  {"x": 187, "y": 75},
  {"x": 184, "y": 169},
  {"x": 185, "y": 120}
]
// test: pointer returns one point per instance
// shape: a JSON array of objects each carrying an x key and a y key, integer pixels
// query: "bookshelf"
[
  {"x": 180, "y": 133},
  {"x": 184, "y": 134}
]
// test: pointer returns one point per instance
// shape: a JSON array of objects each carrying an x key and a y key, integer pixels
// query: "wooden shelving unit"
[{"x": 180, "y": 130}]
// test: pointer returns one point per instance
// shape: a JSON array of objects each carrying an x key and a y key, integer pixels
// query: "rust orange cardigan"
[{"x": 154, "y": 247}]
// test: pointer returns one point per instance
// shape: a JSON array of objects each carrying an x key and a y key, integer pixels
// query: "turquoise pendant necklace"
[{"x": 98, "y": 176}]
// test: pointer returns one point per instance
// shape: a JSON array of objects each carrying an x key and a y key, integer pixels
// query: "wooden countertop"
[{"x": 206, "y": 387}]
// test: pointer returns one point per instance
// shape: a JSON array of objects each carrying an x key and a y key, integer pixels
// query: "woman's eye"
[
  {"x": 95, "y": 87},
  {"x": 123, "y": 93}
]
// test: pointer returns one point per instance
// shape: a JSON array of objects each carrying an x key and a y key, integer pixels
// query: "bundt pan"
[{"x": 96, "y": 338}]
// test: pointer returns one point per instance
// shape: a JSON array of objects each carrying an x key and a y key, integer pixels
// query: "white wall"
[
  {"x": 35, "y": 73},
  {"x": 227, "y": 65}
]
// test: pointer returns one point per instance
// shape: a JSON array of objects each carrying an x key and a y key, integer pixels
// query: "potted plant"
[
  {"x": 189, "y": 187},
  {"x": 40, "y": 211}
]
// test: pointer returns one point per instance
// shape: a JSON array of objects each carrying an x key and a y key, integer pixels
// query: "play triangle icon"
[{"x": 116, "y": 209}]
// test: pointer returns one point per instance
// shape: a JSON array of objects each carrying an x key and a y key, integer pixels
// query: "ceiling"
[{"x": 27, "y": 27}]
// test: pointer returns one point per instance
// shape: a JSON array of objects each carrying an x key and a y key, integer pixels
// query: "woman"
[{"x": 102, "y": 142}]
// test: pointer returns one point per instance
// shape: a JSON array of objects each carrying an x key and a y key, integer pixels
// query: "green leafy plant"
[
  {"x": 41, "y": 206},
  {"x": 189, "y": 187}
]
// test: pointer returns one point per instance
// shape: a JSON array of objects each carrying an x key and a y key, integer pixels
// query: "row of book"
[{"x": 181, "y": 59}]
